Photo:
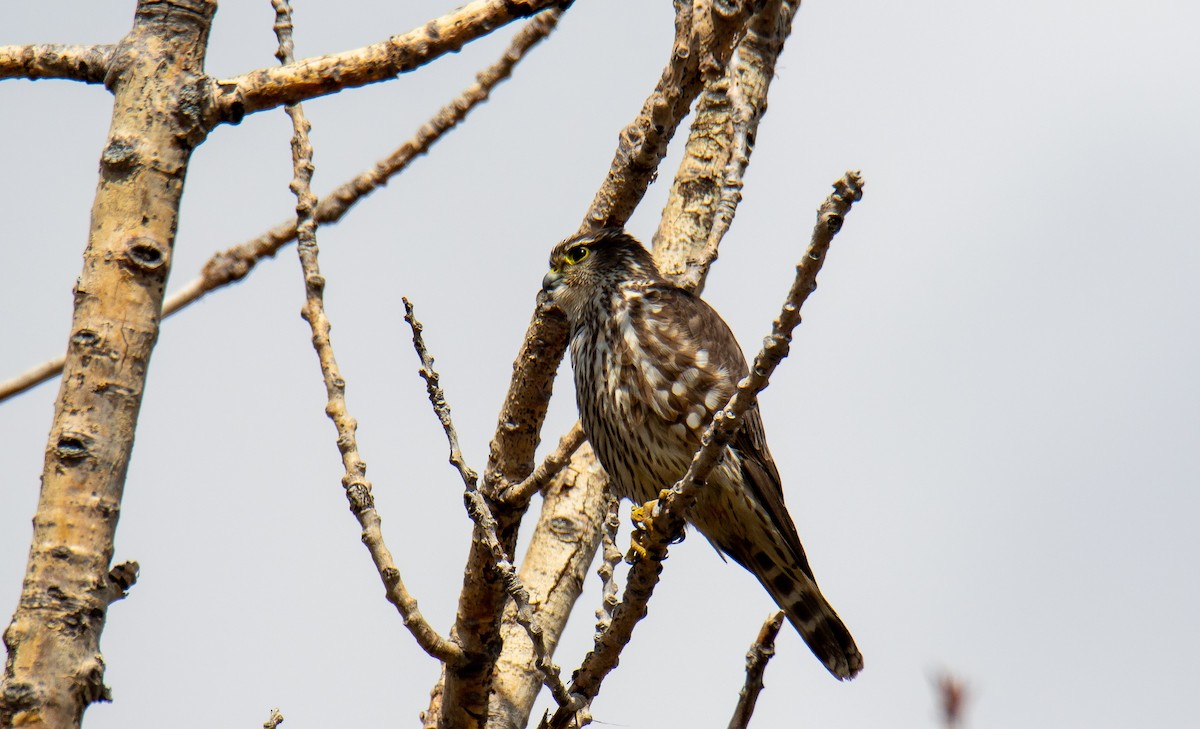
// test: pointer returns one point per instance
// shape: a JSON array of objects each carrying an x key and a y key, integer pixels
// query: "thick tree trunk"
[{"x": 54, "y": 668}]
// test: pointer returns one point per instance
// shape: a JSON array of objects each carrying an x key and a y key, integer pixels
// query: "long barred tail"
[{"x": 812, "y": 616}]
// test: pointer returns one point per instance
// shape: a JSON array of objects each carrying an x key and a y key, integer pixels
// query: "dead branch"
[
  {"x": 665, "y": 518},
  {"x": 478, "y": 509},
  {"x": 268, "y": 88},
  {"x": 707, "y": 187},
  {"x": 555, "y": 566},
  {"x": 547, "y": 469},
  {"x": 759, "y": 655},
  {"x": 234, "y": 264},
  {"x": 358, "y": 488},
  {"x": 52, "y": 674},
  {"x": 56, "y": 60}
]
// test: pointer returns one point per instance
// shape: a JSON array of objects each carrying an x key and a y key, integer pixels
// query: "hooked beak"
[{"x": 551, "y": 280}]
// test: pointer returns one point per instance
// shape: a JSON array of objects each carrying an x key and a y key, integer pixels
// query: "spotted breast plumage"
[{"x": 652, "y": 364}]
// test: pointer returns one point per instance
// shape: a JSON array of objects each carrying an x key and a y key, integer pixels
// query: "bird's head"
[{"x": 587, "y": 267}]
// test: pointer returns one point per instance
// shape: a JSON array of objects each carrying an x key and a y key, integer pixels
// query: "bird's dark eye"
[{"x": 576, "y": 254}]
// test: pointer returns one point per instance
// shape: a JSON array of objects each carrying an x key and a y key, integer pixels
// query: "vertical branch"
[
  {"x": 54, "y": 668},
  {"x": 358, "y": 488}
]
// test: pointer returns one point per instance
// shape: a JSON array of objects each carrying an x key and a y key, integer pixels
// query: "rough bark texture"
[
  {"x": 554, "y": 570},
  {"x": 311, "y": 77},
  {"x": 54, "y": 668}
]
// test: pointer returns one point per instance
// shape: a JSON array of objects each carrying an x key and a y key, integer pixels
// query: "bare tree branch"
[
  {"x": 234, "y": 264},
  {"x": 707, "y": 188},
  {"x": 478, "y": 509},
  {"x": 554, "y": 569},
  {"x": 757, "y": 658},
  {"x": 608, "y": 567},
  {"x": 547, "y": 469},
  {"x": 56, "y": 60},
  {"x": 268, "y": 88},
  {"x": 52, "y": 674},
  {"x": 358, "y": 488},
  {"x": 662, "y": 521}
]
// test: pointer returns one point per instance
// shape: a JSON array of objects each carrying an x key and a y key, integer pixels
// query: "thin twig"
[
  {"x": 666, "y": 517},
  {"x": 358, "y": 488},
  {"x": 759, "y": 655},
  {"x": 233, "y": 264},
  {"x": 482, "y": 515},
  {"x": 547, "y": 469},
  {"x": 608, "y": 566}
]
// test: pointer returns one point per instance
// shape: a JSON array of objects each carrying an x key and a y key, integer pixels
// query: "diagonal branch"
[
  {"x": 478, "y": 509},
  {"x": 87, "y": 63},
  {"x": 759, "y": 655},
  {"x": 358, "y": 488},
  {"x": 666, "y": 517},
  {"x": 234, "y": 264},
  {"x": 294, "y": 82}
]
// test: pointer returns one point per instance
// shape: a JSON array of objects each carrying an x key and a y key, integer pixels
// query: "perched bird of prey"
[{"x": 652, "y": 363}]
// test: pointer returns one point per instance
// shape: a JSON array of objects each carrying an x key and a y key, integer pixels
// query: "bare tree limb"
[
  {"x": 54, "y": 668},
  {"x": 554, "y": 569},
  {"x": 481, "y": 514},
  {"x": 268, "y": 88},
  {"x": 757, "y": 658},
  {"x": 234, "y": 264},
  {"x": 608, "y": 567},
  {"x": 707, "y": 188},
  {"x": 547, "y": 469},
  {"x": 663, "y": 520},
  {"x": 56, "y": 60},
  {"x": 358, "y": 488}
]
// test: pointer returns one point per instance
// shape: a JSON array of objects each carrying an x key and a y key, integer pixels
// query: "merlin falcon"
[{"x": 653, "y": 363}]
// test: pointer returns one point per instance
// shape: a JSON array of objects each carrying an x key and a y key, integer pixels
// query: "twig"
[
  {"x": 274, "y": 720},
  {"x": 666, "y": 518},
  {"x": 547, "y": 469},
  {"x": 757, "y": 658},
  {"x": 358, "y": 488},
  {"x": 294, "y": 82},
  {"x": 482, "y": 515},
  {"x": 233, "y": 264},
  {"x": 87, "y": 63},
  {"x": 608, "y": 566}
]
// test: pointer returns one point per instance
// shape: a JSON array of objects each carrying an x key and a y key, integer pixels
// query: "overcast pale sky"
[{"x": 989, "y": 428}]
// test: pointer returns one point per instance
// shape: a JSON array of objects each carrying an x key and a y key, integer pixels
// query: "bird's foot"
[{"x": 647, "y": 532}]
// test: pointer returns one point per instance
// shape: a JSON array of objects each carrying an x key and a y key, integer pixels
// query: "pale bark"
[{"x": 54, "y": 668}]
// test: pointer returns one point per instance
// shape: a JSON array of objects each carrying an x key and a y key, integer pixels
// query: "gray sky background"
[{"x": 988, "y": 428}]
